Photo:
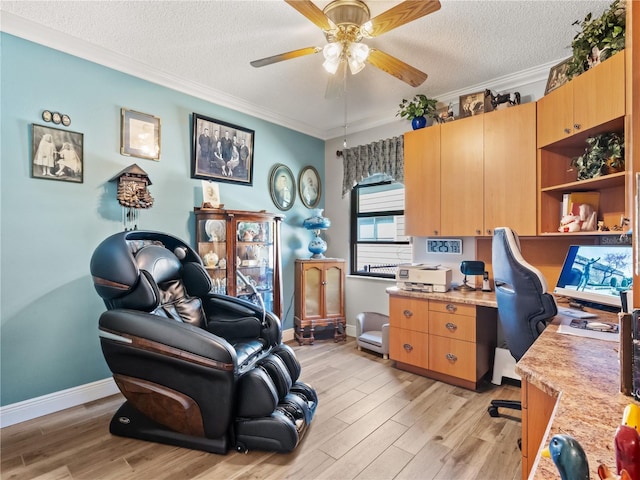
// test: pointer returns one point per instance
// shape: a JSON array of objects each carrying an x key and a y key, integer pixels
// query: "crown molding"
[{"x": 28, "y": 30}]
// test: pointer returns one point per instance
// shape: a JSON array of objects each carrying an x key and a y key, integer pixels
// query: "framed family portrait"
[
  {"x": 557, "y": 76},
  {"x": 139, "y": 135},
  {"x": 221, "y": 151},
  {"x": 57, "y": 154},
  {"x": 282, "y": 186},
  {"x": 474, "y": 104},
  {"x": 309, "y": 187}
]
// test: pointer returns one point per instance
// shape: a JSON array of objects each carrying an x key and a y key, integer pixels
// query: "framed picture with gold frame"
[
  {"x": 557, "y": 76},
  {"x": 139, "y": 135}
]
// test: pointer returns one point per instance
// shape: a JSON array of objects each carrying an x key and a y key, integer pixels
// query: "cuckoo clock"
[{"x": 133, "y": 194}]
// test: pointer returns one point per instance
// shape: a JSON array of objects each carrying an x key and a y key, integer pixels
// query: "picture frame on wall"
[
  {"x": 474, "y": 104},
  {"x": 558, "y": 75},
  {"x": 57, "y": 154},
  {"x": 139, "y": 135},
  {"x": 309, "y": 187},
  {"x": 282, "y": 186},
  {"x": 221, "y": 151}
]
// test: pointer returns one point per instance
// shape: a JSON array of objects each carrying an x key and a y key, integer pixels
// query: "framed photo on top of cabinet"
[
  {"x": 139, "y": 135},
  {"x": 474, "y": 104},
  {"x": 282, "y": 186},
  {"x": 221, "y": 151},
  {"x": 56, "y": 154},
  {"x": 310, "y": 187},
  {"x": 557, "y": 76}
]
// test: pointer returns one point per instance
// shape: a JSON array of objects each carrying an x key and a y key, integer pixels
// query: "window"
[{"x": 378, "y": 242}]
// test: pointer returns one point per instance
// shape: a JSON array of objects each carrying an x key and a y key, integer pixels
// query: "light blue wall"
[{"x": 48, "y": 229}]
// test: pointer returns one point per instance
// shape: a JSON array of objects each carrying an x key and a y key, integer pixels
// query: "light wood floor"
[{"x": 373, "y": 422}]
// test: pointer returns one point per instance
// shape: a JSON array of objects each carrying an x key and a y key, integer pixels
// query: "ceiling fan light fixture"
[
  {"x": 366, "y": 29},
  {"x": 357, "y": 55},
  {"x": 332, "y": 56}
]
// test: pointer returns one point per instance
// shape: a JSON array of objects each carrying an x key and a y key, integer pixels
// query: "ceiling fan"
[{"x": 346, "y": 23}]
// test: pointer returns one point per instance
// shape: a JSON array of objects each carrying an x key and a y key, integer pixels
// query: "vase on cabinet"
[{"x": 418, "y": 122}]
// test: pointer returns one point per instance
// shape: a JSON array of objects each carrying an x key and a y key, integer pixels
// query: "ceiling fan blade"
[
  {"x": 313, "y": 13},
  {"x": 285, "y": 56},
  {"x": 402, "y": 13},
  {"x": 336, "y": 83},
  {"x": 395, "y": 67}
]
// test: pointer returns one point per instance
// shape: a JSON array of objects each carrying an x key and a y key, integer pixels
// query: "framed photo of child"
[{"x": 57, "y": 154}]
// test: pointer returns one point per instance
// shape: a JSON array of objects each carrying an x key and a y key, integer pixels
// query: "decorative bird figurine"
[
  {"x": 627, "y": 443},
  {"x": 569, "y": 457}
]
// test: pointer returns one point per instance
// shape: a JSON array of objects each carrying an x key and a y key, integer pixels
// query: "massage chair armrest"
[
  {"x": 227, "y": 311},
  {"x": 155, "y": 332}
]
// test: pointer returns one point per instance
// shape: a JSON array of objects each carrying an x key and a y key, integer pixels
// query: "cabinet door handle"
[
  {"x": 488, "y": 231},
  {"x": 323, "y": 283},
  {"x": 452, "y": 327},
  {"x": 408, "y": 313},
  {"x": 451, "y": 308},
  {"x": 576, "y": 126},
  {"x": 407, "y": 347},
  {"x": 435, "y": 232},
  {"x": 451, "y": 357},
  {"x": 478, "y": 232},
  {"x": 567, "y": 131}
]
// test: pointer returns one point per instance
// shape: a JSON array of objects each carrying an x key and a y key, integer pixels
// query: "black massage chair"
[{"x": 197, "y": 369}]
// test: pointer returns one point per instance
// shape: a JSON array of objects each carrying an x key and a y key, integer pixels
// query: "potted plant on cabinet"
[
  {"x": 599, "y": 39},
  {"x": 417, "y": 110},
  {"x": 604, "y": 155}
]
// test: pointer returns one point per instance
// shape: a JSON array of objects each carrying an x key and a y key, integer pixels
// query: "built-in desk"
[
  {"x": 447, "y": 336},
  {"x": 570, "y": 385}
]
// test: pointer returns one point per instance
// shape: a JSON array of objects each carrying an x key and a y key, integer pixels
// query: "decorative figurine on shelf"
[
  {"x": 605, "y": 474},
  {"x": 501, "y": 98},
  {"x": 569, "y": 457}
]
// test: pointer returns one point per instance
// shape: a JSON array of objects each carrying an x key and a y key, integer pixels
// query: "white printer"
[{"x": 423, "y": 278}]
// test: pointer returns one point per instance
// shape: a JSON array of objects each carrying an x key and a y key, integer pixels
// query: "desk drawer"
[
  {"x": 456, "y": 358},
  {"x": 409, "y": 346},
  {"x": 409, "y": 313},
  {"x": 452, "y": 308},
  {"x": 460, "y": 327}
]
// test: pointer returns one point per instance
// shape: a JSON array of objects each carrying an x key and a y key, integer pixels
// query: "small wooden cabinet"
[
  {"x": 589, "y": 100},
  {"x": 239, "y": 245},
  {"x": 448, "y": 341},
  {"x": 319, "y": 298}
]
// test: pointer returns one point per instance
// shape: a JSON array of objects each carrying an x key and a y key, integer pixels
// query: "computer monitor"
[{"x": 595, "y": 275}]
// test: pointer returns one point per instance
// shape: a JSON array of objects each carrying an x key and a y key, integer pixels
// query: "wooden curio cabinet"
[
  {"x": 319, "y": 297},
  {"x": 240, "y": 248}
]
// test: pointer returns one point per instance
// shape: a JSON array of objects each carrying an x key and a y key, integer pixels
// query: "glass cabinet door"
[
  {"x": 212, "y": 248},
  {"x": 255, "y": 261}
]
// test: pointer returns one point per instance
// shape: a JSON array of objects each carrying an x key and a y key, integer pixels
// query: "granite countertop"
[
  {"x": 584, "y": 374},
  {"x": 477, "y": 297}
]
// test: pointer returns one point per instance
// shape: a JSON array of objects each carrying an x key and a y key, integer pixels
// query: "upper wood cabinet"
[
  {"x": 459, "y": 176},
  {"x": 461, "y": 180},
  {"x": 510, "y": 169},
  {"x": 576, "y": 107},
  {"x": 422, "y": 182}
]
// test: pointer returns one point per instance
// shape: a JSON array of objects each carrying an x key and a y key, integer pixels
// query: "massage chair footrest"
[
  {"x": 129, "y": 422},
  {"x": 279, "y": 432}
]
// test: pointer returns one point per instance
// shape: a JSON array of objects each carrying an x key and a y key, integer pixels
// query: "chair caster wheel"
[
  {"x": 240, "y": 448},
  {"x": 493, "y": 411}
]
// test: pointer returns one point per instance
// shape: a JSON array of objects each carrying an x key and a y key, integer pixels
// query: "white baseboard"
[
  {"x": 72, "y": 397},
  {"x": 54, "y": 402}
]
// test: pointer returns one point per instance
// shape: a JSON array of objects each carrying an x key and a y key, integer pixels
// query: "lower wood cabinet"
[
  {"x": 319, "y": 298},
  {"x": 537, "y": 408},
  {"x": 448, "y": 341}
]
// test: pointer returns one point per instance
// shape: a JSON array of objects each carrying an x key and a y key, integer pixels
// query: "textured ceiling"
[{"x": 207, "y": 46}]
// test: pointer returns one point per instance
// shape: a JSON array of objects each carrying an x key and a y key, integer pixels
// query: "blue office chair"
[{"x": 524, "y": 306}]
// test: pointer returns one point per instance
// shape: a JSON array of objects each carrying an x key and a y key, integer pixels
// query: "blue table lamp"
[{"x": 316, "y": 223}]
